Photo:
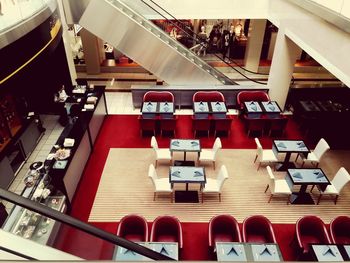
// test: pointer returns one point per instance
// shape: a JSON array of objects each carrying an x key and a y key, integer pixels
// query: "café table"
[
  {"x": 185, "y": 145},
  {"x": 305, "y": 177},
  {"x": 218, "y": 109},
  {"x": 201, "y": 110},
  {"x": 149, "y": 109},
  {"x": 169, "y": 249},
  {"x": 327, "y": 253},
  {"x": 166, "y": 109},
  {"x": 271, "y": 109},
  {"x": 253, "y": 109},
  {"x": 288, "y": 147},
  {"x": 235, "y": 251},
  {"x": 186, "y": 175}
]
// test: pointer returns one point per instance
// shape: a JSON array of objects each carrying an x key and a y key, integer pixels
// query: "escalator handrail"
[
  {"x": 16, "y": 253},
  {"x": 201, "y": 43},
  {"x": 77, "y": 224}
]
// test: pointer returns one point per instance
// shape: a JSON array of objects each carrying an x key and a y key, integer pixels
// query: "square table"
[
  {"x": 253, "y": 109},
  {"x": 288, "y": 147},
  {"x": 169, "y": 249},
  {"x": 186, "y": 175},
  {"x": 166, "y": 110},
  {"x": 271, "y": 109},
  {"x": 235, "y": 251},
  {"x": 326, "y": 253},
  {"x": 185, "y": 145},
  {"x": 218, "y": 109},
  {"x": 201, "y": 110},
  {"x": 305, "y": 177},
  {"x": 149, "y": 109}
]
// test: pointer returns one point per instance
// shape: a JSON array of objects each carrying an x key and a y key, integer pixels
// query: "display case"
[{"x": 38, "y": 228}]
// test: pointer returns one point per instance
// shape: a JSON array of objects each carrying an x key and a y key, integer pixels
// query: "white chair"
[
  {"x": 277, "y": 187},
  {"x": 161, "y": 154},
  {"x": 314, "y": 157},
  {"x": 215, "y": 185},
  {"x": 340, "y": 179},
  {"x": 161, "y": 185},
  {"x": 264, "y": 156},
  {"x": 210, "y": 154}
]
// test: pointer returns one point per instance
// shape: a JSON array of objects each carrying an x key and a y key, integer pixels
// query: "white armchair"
[
  {"x": 215, "y": 185},
  {"x": 264, "y": 156},
  {"x": 161, "y": 185},
  {"x": 210, "y": 154},
  {"x": 277, "y": 187},
  {"x": 161, "y": 154},
  {"x": 340, "y": 179},
  {"x": 315, "y": 156}
]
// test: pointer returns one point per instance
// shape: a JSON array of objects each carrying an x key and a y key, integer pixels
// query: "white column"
[
  {"x": 254, "y": 44},
  {"x": 282, "y": 67},
  {"x": 67, "y": 47}
]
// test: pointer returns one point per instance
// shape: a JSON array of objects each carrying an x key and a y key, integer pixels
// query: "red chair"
[
  {"x": 256, "y": 125},
  {"x": 244, "y": 96},
  {"x": 340, "y": 230},
  {"x": 167, "y": 229},
  {"x": 158, "y": 96},
  {"x": 147, "y": 125},
  {"x": 222, "y": 125},
  {"x": 201, "y": 125},
  {"x": 208, "y": 96},
  {"x": 258, "y": 229},
  {"x": 168, "y": 125},
  {"x": 311, "y": 230},
  {"x": 134, "y": 228},
  {"x": 223, "y": 228},
  {"x": 278, "y": 125}
]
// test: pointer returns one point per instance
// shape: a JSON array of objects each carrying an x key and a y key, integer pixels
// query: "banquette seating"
[
  {"x": 340, "y": 230},
  {"x": 223, "y": 228},
  {"x": 134, "y": 228},
  {"x": 258, "y": 229},
  {"x": 244, "y": 96},
  {"x": 208, "y": 96},
  {"x": 167, "y": 229}
]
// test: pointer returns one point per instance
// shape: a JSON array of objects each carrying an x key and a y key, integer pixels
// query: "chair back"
[
  {"x": 208, "y": 96},
  {"x": 134, "y": 228},
  {"x": 341, "y": 178},
  {"x": 217, "y": 145},
  {"x": 223, "y": 228},
  {"x": 259, "y": 149},
  {"x": 244, "y": 96},
  {"x": 271, "y": 179},
  {"x": 154, "y": 143},
  {"x": 152, "y": 174},
  {"x": 321, "y": 147},
  {"x": 222, "y": 176},
  {"x": 158, "y": 96},
  {"x": 167, "y": 229},
  {"x": 340, "y": 230},
  {"x": 258, "y": 229}
]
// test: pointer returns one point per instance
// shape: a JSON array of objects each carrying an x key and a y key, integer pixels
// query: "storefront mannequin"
[
  {"x": 203, "y": 38},
  {"x": 173, "y": 33},
  {"x": 225, "y": 43}
]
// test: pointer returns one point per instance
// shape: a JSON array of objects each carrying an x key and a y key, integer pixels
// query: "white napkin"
[{"x": 89, "y": 106}]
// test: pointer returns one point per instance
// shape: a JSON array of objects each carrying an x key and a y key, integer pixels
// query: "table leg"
[
  {"x": 286, "y": 164},
  {"x": 186, "y": 186},
  {"x": 185, "y": 156},
  {"x": 302, "y": 197}
]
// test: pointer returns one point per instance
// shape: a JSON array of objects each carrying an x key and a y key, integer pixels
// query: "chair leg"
[
  {"x": 219, "y": 197},
  {"x": 312, "y": 188},
  {"x": 154, "y": 196},
  {"x": 302, "y": 165},
  {"x": 258, "y": 166},
  {"x": 267, "y": 187},
  {"x": 202, "y": 197},
  {"x": 156, "y": 164},
  {"x": 256, "y": 157},
  {"x": 171, "y": 196},
  {"x": 270, "y": 198},
  {"x": 214, "y": 164},
  {"x": 336, "y": 198},
  {"x": 297, "y": 157},
  {"x": 288, "y": 200},
  {"x": 319, "y": 199}
]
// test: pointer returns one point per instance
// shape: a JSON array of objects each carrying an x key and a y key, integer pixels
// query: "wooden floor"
[{"x": 125, "y": 188}]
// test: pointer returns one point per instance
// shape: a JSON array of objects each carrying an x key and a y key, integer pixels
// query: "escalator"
[{"x": 149, "y": 46}]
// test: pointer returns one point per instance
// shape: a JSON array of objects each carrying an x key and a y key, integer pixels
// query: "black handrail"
[
  {"x": 10, "y": 251},
  {"x": 201, "y": 42},
  {"x": 77, "y": 224}
]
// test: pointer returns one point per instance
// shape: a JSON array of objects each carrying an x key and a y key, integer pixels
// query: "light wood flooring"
[{"x": 125, "y": 188}]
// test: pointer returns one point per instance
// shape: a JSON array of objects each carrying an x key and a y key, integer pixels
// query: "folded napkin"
[
  {"x": 232, "y": 251},
  {"x": 68, "y": 142},
  {"x": 197, "y": 174},
  {"x": 281, "y": 145},
  {"x": 89, "y": 106},
  {"x": 91, "y": 100},
  {"x": 176, "y": 174},
  {"x": 297, "y": 175}
]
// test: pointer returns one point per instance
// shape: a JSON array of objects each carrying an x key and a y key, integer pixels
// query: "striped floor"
[{"x": 243, "y": 193}]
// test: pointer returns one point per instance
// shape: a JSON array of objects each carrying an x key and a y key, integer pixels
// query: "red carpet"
[
  {"x": 195, "y": 237},
  {"x": 122, "y": 131}
]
